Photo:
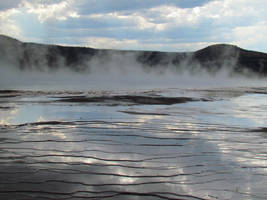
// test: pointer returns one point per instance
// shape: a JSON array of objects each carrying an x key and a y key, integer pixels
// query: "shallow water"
[{"x": 134, "y": 144}]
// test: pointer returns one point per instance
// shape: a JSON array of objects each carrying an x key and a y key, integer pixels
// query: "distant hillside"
[{"x": 32, "y": 56}]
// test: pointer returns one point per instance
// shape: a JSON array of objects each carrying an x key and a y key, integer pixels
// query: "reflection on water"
[{"x": 213, "y": 147}]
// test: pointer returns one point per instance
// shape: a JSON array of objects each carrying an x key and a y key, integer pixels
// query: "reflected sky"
[{"x": 196, "y": 150}]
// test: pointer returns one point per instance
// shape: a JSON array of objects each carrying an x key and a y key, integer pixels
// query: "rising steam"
[{"x": 45, "y": 66}]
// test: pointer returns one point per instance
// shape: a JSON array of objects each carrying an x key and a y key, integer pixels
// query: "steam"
[{"x": 109, "y": 69}]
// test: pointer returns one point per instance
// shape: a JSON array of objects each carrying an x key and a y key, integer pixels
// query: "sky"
[{"x": 161, "y": 25}]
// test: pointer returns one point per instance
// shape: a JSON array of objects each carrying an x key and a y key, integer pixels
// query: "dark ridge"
[
  {"x": 261, "y": 129},
  {"x": 142, "y": 113},
  {"x": 9, "y": 91},
  {"x": 256, "y": 61},
  {"x": 223, "y": 55},
  {"x": 45, "y": 123},
  {"x": 31, "y": 56},
  {"x": 129, "y": 99},
  {"x": 5, "y": 38},
  {"x": 9, "y": 96},
  {"x": 6, "y": 107},
  {"x": 215, "y": 51}
]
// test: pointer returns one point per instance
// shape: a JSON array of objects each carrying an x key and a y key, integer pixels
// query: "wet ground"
[{"x": 134, "y": 144}]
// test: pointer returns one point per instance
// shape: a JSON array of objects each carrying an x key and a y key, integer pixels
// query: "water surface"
[{"x": 134, "y": 144}]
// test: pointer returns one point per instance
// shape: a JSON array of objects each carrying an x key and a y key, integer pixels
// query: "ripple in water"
[{"x": 160, "y": 144}]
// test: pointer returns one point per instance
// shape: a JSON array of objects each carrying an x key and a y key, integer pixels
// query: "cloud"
[
  {"x": 147, "y": 24},
  {"x": 161, "y": 43},
  {"x": 56, "y": 11},
  {"x": 251, "y": 36},
  {"x": 8, "y": 24},
  {"x": 109, "y": 6}
]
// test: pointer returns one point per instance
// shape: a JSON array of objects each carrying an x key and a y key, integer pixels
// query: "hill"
[{"x": 32, "y": 56}]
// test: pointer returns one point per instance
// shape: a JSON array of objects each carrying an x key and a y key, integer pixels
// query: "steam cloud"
[{"x": 54, "y": 67}]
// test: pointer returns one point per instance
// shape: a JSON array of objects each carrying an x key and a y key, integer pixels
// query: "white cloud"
[
  {"x": 162, "y": 27},
  {"x": 109, "y": 43},
  {"x": 172, "y": 15},
  {"x": 156, "y": 44},
  {"x": 134, "y": 20},
  {"x": 220, "y": 13},
  {"x": 56, "y": 11},
  {"x": 8, "y": 25},
  {"x": 251, "y": 36},
  {"x": 217, "y": 16}
]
